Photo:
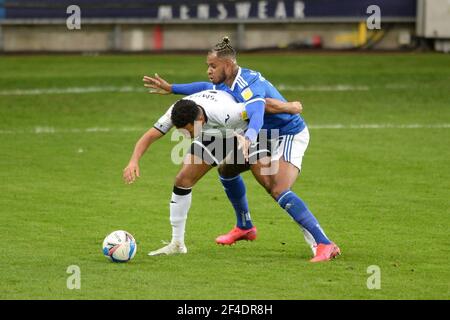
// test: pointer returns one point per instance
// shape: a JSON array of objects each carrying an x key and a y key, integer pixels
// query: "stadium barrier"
[{"x": 144, "y": 25}]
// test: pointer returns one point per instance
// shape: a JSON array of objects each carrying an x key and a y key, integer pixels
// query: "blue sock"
[
  {"x": 235, "y": 190},
  {"x": 298, "y": 210}
]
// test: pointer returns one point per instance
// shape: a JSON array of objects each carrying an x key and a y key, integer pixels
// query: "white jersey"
[{"x": 223, "y": 114}]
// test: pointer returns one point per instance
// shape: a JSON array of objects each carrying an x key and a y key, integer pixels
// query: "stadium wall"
[
  {"x": 144, "y": 25},
  {"x": 195, "y": 37}
]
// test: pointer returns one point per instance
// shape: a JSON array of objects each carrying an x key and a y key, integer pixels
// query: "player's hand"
[
  {"x": 157, "y": 85},
  {"x": 297, "y": 106},
  {"x": 131, "y": 172},
  {"x": 294, "y": 107},
  {"x": 243, "y": 144}
]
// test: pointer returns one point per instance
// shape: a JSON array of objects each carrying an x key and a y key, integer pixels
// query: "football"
[{"x": 119, "y": 246}]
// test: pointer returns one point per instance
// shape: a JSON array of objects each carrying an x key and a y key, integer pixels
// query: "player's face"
[
  {"x": 217, "y": 68},
  {"x": 189, "y": 130},
  {"x": 193, "y": 130}
]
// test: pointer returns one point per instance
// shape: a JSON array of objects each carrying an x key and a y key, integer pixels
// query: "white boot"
[{"x": 174, "y": 247}]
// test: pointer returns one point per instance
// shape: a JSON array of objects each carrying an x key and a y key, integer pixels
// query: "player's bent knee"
[
  {"x": 276, "y": 191},
  {"x": 184, "y": 181}
]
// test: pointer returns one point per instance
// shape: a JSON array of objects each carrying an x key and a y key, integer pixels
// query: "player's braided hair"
[
  {"x": 224, "y": 49},
  {"x": 184, "y": 112}
]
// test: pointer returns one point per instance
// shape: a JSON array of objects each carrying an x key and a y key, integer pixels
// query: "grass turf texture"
[{"x": 381, "y": 194}]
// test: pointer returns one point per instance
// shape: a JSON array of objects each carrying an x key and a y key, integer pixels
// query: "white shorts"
[{"x": 291, "y": 148}]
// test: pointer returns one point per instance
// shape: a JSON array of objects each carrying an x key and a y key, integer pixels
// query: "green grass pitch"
[{"x": 376, "y": 175}]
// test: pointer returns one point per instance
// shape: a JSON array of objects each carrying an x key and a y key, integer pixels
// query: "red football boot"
[
  {"x": 237, "y": 234},
  {"x": 326, "y": 252}
]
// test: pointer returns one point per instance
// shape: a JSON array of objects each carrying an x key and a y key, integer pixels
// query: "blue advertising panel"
[
  {"x": 209, "y": 10},
  {"x": 2, "y": 9}
]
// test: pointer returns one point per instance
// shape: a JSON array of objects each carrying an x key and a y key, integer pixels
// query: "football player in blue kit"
[{"x": 290, "y": 141}]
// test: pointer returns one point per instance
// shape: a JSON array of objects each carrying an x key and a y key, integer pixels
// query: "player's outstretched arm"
[
  {"x": 278, "y": 106},
  {"x": 160, "y": 86},
  {"x": 157, "y": 85},
  {"x": 131, "y": 171}
]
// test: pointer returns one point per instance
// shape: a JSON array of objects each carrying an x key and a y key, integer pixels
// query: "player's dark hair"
[
  {"x": 184, "y": 112},
  {"x": 224, "y": 49}
]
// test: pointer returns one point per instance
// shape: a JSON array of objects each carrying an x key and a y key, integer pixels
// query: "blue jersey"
[{"x": 250, "y": 86}]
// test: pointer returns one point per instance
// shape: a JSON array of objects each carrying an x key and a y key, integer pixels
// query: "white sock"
[
  {"x": 310, "y": 240},
  {"x": 179, "y": 208}
]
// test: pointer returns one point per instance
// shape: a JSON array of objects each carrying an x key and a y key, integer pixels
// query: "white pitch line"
[
  {"x": 381, "y": 126},
  {"x": 338, "y": 87},
  {"x": 74, "y": 90},
  {"x": 53, "y": 130},
  {"x": 94, "y": 89}
]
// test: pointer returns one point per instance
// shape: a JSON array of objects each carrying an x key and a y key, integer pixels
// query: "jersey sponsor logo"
[
  {"x": 247, "y": 94},
  {"x": 209, "y": 95}
]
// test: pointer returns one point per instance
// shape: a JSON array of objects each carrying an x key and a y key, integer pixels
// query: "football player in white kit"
[
  {"x": 219, "y": 116},
  {"x": 252, "y": 88}
]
